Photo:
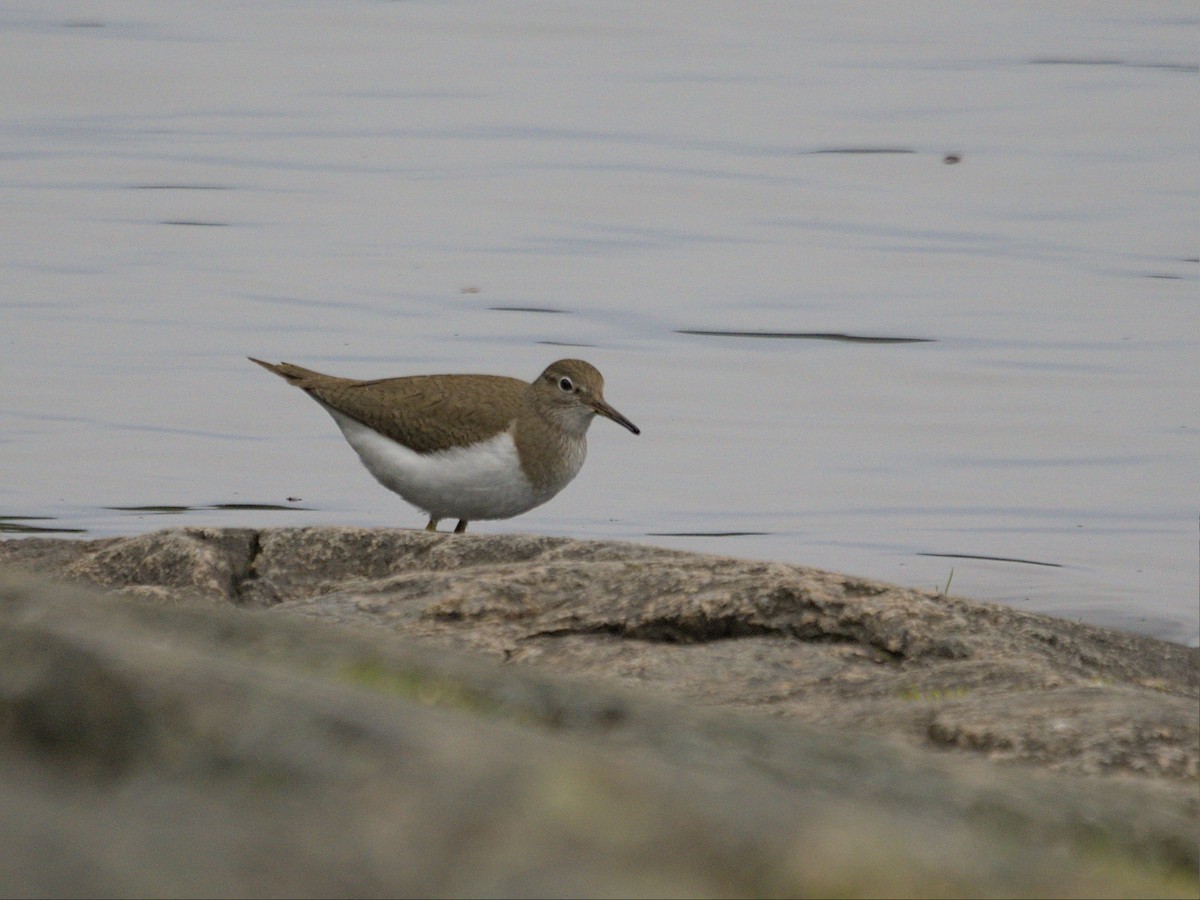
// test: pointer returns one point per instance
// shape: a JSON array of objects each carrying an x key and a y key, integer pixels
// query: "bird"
[{"x": 467, "y": 447}]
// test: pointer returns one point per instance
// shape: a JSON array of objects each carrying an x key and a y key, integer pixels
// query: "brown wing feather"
[
  {"x": 426, "y": 413},
  {"x": 429, "y": 413}
]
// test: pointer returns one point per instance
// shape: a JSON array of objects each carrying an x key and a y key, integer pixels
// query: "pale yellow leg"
[{"x": 432, "y": 526}]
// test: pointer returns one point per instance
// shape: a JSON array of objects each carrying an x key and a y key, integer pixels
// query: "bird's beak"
[{"x": 608, "y": 412}]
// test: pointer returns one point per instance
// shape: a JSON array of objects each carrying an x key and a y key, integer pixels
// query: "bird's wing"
[{"x": 426, "y": 413}]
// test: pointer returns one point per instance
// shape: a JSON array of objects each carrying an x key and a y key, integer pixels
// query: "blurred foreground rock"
[{"x": 165, "y": 742}]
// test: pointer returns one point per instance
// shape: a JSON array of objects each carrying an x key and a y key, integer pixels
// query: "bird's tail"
[{"x": 297, "y": 375}]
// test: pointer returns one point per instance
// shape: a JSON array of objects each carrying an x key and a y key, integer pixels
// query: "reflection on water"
[
  {"x": 20, "y": 525},
  {"x": 706, "y": 533},
  {"x": 809, "y": 336},
  {"x": 175, "y": 510},
  {"x": 1024, "y": 562}
]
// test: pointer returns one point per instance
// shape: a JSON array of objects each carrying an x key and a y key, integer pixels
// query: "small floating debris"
[
  {"x": 1027, "y": 562},
  {"x": 810, "y": 336}
]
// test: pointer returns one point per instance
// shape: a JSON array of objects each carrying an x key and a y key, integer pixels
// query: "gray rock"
[
  {"x": 179, "y": 747},
  {"x": 802, "y": 643}
]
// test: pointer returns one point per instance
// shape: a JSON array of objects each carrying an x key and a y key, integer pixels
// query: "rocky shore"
[{"x": 359, "y": 711}]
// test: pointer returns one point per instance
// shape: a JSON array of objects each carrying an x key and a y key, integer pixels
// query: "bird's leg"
[
  {"x": 461, "y": 526},
  {"x": 432, "y": 526}
]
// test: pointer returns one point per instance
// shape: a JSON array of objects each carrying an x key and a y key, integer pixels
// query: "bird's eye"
[{"x": 565, "y": 384}]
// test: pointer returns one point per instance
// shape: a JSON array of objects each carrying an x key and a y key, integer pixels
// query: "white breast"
[{"x": 483, "y": 481}]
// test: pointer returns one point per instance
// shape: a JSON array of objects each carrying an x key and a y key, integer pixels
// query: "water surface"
[{"x": 907, "y": 291}]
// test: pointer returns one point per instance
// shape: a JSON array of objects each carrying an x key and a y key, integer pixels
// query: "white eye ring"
[{"x": 565, "y": 384}]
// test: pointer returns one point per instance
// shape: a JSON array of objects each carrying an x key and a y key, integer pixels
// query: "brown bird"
[{"x": 466, "y": 446}]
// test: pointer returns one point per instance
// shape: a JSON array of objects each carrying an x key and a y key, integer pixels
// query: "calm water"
[{"x": 385, "y": 188}]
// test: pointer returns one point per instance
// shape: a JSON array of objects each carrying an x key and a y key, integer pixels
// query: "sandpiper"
[{"x": 466, "y": 446}]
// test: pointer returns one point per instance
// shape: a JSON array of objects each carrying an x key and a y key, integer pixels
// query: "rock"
[
  {"x": 188, "y": 749},
  {"x": 246, "y": 745},
  {"x": 813, "y": 646},
  {"x": 172, "y": 566}
]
